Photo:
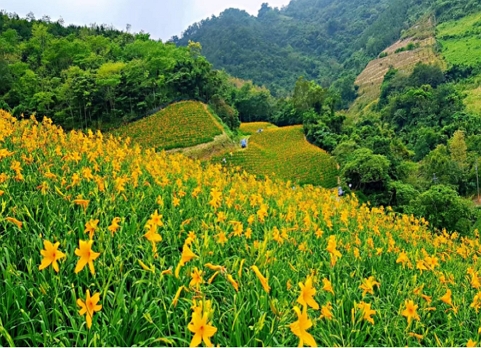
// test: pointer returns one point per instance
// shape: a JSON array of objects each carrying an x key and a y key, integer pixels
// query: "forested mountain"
[
  {"x": 323, "y": 40},
  {"x": 97, "y": 76}
]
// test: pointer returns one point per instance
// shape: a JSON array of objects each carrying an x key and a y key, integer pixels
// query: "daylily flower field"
[
  {"x": 105, "y": 243},
  {"x": 284, "y": 153},
  {"x": 182, "y": 124}
]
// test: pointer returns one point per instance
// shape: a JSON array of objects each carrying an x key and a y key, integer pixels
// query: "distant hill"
[
  {"x": 179, "y": 125},
  {"x": 284, "y": 153},
  {"x": 461, "y": 45},
  {"x": 416, "y": 46},
  {"x": 448, "y": 44},
  {"x": 322, "y": 40}
]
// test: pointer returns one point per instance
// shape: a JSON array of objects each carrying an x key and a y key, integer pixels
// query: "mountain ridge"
[{"x": 328, "y": 41}]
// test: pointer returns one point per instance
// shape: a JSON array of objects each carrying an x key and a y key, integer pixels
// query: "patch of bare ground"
[
  {"x": 221, "y": 144},
  {"x": 371, "y": 78}
]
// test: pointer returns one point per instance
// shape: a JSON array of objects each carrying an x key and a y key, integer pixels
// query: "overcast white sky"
[{"x": 161, "y": 18}]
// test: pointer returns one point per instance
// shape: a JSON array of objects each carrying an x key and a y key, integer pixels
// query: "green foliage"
[
  {"x": 409, "y": 47},
  {"x": 253, "y": 103},
  {"x": 401, "y": 195},
  {"x": 227, "y": 114},
  {"x": 366, "y": 171},
  {"x": 98, "y": 77},
  {"x": 285, "y": 113},
  {"x": 321, "y": 40},
  {"x": 425, "y": 74},
  {"x": 316, "y": 105},
  {"x": 444, "y": 208}
]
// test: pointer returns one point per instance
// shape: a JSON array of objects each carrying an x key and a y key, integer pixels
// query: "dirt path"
[{"x": 220, "y": 144}]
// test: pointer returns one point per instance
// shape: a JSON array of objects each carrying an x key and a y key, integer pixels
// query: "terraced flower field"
[
  {"x": 284, "y": 153},
  {"x": 103, "y": 243},
  {"x": 179, "y": 125}
]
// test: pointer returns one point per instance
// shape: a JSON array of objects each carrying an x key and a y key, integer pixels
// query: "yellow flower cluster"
[
  {"x": 284, "y": 153},
  {"x": 181, "y": 124},
  {"x": 181, "y": 251}
]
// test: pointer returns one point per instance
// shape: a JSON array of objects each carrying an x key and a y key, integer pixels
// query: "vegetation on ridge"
[{"x": 327, "y": 41}]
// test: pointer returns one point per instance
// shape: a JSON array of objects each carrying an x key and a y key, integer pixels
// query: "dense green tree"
[
  {"x": 98, "y": 77},
  {"x": 425, "y": 74},
  {"x": 366, "y": 171},
  {"x": 401, "y": 196},
  {"x": 444, "y": 208},
  {"x": 253, "y": 103},
  {"x": 228, "y": 114}
]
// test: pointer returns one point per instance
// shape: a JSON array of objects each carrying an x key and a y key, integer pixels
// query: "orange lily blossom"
[
  {"x": 201, "y": 328},
  {"x": 410, "y": 312},
  {"x": 87, "y": 256},
  {"x": 89, "y": 307},
  {"x": 50, "y": 255},
  {"x": 90, "y": 227},
  {"x": 300, "y": 327},
  {"x": 306, "y": 297},
  {"x": 263, "y": 280}
]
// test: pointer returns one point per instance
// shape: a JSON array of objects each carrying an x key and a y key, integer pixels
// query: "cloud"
[{"x": 161, "y": 18}]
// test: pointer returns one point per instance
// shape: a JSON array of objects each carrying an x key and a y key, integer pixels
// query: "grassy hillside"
[
  {"x": 473, "y": 98},
  {"x": 460, "y": 40},
  {"x": 252, "y": 127},
  {"x": 182, "y": 246},
  {"x": 461, "y": 45},
  {"x": 284, "y": 153},
  {"x": 179, "y": 125}
]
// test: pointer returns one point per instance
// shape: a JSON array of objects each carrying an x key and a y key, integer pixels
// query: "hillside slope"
[
  {"x": 449, "y": 44},
  {"x": 284, "y": 153},
  {"x": 322, "y": 40},
  {"x": 460, "y": 46},
  {"x": 172, "y": 245},
  {"x": 417, "y": 46},
  {"x": 318, "y": 39},
  {"x": 179, "y": 125}
]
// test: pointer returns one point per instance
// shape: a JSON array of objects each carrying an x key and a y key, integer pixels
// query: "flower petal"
[
  {"x": 196, "y": 340},
  {"x": 80, "y": 265},
  {"x": 45, "y": 263},
  {"x": 91, "y": 266},
  {"x": 88, "y": 318},
  {"x": 55, "y": 265}
]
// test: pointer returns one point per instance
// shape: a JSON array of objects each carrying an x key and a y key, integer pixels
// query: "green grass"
[
  {"x": 461, "y": 44},
  {"x": 459, "y": 27},
  {"x": 471, "y": 87},
  {"x": 473, "y": 100},
  {"x": 461, "y": 40},
  {"x": 465, "y": 50},
  {"x": 179, "y": 125},
  {"x": 284, "y": 153}
]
